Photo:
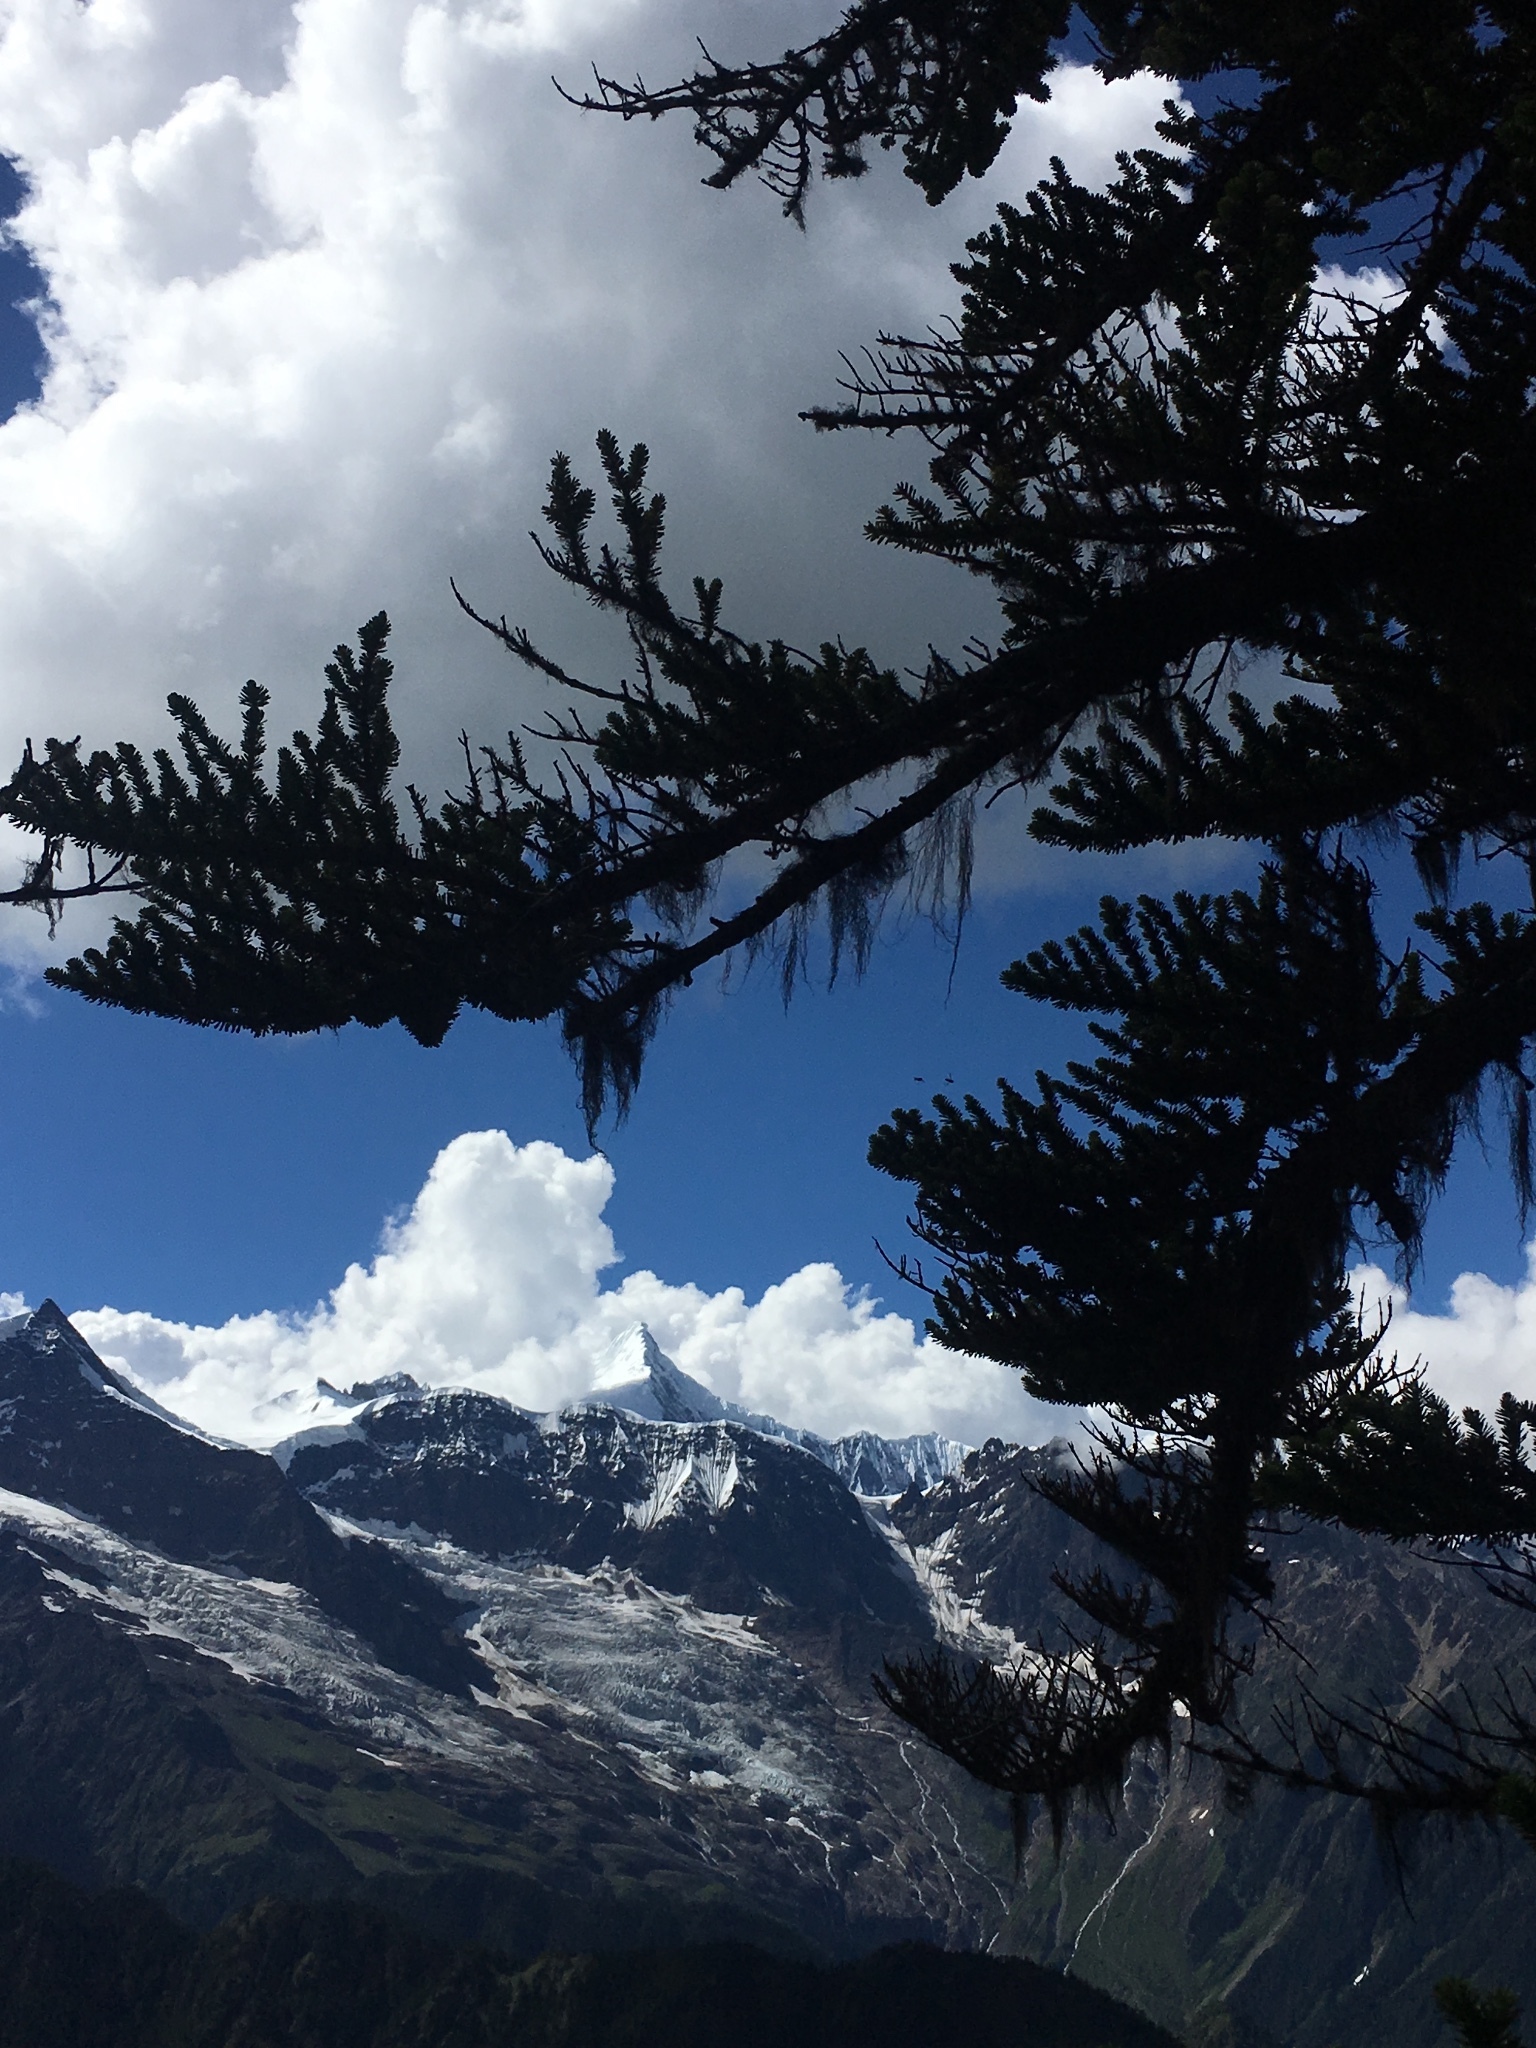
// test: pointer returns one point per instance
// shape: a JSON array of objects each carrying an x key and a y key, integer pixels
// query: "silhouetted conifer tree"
[{"x": 1173, "y": 440}]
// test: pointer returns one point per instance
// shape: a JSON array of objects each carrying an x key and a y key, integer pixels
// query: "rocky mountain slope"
[
  {"x": 638, "y": 1379},
  {"x": 600, "y": 1679},
  {"x": 447, "y": 1674},
  {"x": 1288, "y": 1921}
]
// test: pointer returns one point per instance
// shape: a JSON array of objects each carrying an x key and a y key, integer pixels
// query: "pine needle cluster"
[{"x": 1243, "y": 447}]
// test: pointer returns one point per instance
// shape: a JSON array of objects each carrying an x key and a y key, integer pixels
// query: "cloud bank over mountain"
[
  {"x": 493, "y": 1279},
  {"x": 328, "y": 283},
  {"x": 1482, "y": 1346}
]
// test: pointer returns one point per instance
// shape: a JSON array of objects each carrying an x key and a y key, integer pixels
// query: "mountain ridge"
[
  {"x": 117, "y": 1972},
  {"x": 637, "y": 1378},
  {"x": 628, "y": 1696}
]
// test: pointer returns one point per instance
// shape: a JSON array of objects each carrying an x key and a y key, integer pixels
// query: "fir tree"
[
  {"x": 1151, "y": 437},
  {"x": 1169, "y": 448},
  {"x": 1161, "y": 1234}
]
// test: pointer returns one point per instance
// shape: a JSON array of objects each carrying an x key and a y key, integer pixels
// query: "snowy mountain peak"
[
  {"x": 47, "y": 1332},
  {"x": 638, "y": 1378},
  {"x": 45, "y": 1338},
  {"x": 370, "y": 1390},
  {"x": 635, "y": 1379}
]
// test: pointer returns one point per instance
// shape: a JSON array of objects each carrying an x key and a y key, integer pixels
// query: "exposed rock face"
[
  {"x": 639, "y": 1379},
  {"x": 72, "y": 1431},
  {"x": 455, "y": 1645},
  {"x": 1286, "y": 1924},
  {"x": 737, "y": 1520},
  {"x": 603, "y": 1676}
]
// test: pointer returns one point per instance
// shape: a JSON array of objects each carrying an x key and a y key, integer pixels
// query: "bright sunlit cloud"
[
  {"x": 493, "y": 1279},
  {"x": 327, "y": 285},
  {"x": 1482, "y": 1346}
]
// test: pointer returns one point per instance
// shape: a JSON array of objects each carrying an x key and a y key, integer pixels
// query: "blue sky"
[
  {"x": 183, "y": 509},
  {"x": 206, "y": 1175}
]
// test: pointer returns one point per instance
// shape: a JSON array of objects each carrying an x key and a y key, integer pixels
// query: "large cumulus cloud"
[
  {"x": 1481, "y": 1345},
  {"x": 328, "y": 282},
  {"x": 493, "y": 1279}
]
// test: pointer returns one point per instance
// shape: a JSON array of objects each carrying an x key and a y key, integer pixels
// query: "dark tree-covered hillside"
[{"x": 114, "y": 1970}]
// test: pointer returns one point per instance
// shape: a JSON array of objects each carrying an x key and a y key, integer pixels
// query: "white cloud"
[
  {"x": 1484, "y": 1346},
  {"x": 328, "y": 283},
  {"x": 1342, "y": 297},
  {"x": 493, "y": 1279}
]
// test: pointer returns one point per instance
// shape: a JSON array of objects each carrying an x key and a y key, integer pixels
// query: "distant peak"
[
  {"x": 634, "y": 1346},
  {"x": 47, "y": 1338},
  {"x": 47, "y": 1328},
  {"x": 370, "y": 1390},
  {"x": 638, "y": 1378},
  {"x": 387, "y": 1383}
]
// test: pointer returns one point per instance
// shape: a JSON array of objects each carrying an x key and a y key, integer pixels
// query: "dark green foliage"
[
  {"x": 1389, "y": 1456},
  {"x": 1196, "y": 1160},
  {"x": 1481, "y": 2019},
  {"x": 909, "y": 1994},
  {"x": 117, "y": 1972},
  {"x": 1162, "y": 1233},
  {"x": 1172, "y": 451},
  {"x": 270, "y": 900},
  {"x": 942, "y": 80},
  {"x": 1159, "y": 451},
  {"x": 1517, "y": 1804}
]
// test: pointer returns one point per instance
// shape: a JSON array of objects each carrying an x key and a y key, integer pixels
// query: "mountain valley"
[{"x": 600, "y": 1681}]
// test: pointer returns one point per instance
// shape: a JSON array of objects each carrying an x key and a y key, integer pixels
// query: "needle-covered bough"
[{"x": 1261, "y": 405}]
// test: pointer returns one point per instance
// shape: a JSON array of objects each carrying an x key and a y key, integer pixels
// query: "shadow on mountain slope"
[{"x": 116, "y": 1971}]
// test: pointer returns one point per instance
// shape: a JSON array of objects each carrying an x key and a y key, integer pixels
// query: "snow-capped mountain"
[
  {"x": 73, "y": 1433},
  {"x": 735, "y": 1519},
  {"x": 454, "y": 1645},
  {"x": 639, "y": 1379},
  {"x": 603, "y": 1675}
]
